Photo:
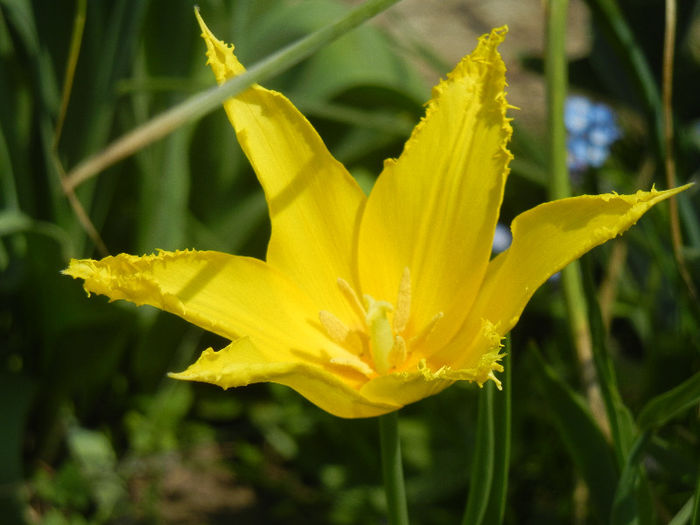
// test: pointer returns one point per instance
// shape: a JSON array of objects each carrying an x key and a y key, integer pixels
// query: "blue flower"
[
  {"x": 501, "y": 238},
  {"x": 592, "y": 128}
]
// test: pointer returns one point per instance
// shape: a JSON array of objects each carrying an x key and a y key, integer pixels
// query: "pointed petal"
[
  {"x": 314, "y": 203},
  {"x": 241, "y": 363},
  {"x": 545, "y": 239},
  {"x": 434, "y": 210},
  {"x": 410, "y": 386},
  {"x": 228, "y": 295}
]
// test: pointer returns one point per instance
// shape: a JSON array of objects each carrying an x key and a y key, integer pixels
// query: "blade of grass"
[
  {"x": 73, "y": 54},
  {"x": 608, "y": 13},
  {"x": 622, "y": 427},
  {"x": 501, "y": 441},
  {"x": 164, "y": 195},
  {"x": 669, "y": 159},
  {"x": 624, "y": 432},
  {"x": 581, "y": 435},
  {"x": 392, "y": 469},
  {"x": 658, "y": 111},
  {"x": 625, "y": 505},
  {"x": 695, "y": 520},
  {"x": 669, "y": 404},
  {"x": 199, "y": 105},
  {"x": 684, "y": 514},
  {"x": 483, "y": 458}
]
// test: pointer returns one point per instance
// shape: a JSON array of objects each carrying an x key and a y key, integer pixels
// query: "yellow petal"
[
  {"x": 228, "y": 295},
  {"x": 241, "y": 363},
  {"x": 411, "y": 386},
  {"x": 314, "y": 203},
  {"x": 434, "y": 210},
  {"x": 545, "y": 239}
]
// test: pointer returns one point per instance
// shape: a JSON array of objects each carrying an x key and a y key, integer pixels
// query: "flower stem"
[
  {"x": 560, "y": 188},
  {"x": 392, "y": 469}
]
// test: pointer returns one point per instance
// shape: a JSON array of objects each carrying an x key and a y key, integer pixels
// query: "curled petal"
[
  {"x": 315, "y": 204},
  {"x": 545, "y": 239},
  {"x": 229, "y": 295},
  {"x": 413, "y": 385},
  {"x": 241, "y": 363}
]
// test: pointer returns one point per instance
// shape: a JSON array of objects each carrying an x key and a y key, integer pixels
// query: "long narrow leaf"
[
  {"x": 695, "y": 520},
  {"x": 622, "y": 425},
  {"x": 203, "y": 103},
  {"x": 625, "y": 509},
  {"x": 581, "y": 435},
  {"x": 483, "y": 458},
  {"x": 501, "y": 443},
  {"x": 669, "y": 404},
  {"x": 683, "y": 516}
]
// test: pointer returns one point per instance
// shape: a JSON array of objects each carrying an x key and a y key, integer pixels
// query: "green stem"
[
  {"x": 560, "y": 188},
  {"x": 556, "y": 77},
  {"x": 199, "y": 105},
  {"x": 392, "y": 469},
  {"x": 491, "y": 454}
]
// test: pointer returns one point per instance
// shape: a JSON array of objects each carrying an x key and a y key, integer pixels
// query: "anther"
[
  {"x": 403, "y": 302},
  {"x": 334, "y": 327},
  {"x": 355, "y": 364},
  {"x": 351, "y": 297},
  {"x": 398, "y": 352}
]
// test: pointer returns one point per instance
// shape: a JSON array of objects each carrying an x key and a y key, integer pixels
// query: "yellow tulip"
[{"x": 366, "y": 304}]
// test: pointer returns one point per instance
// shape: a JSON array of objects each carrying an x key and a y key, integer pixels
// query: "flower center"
[
  {"x": 383, "y": 334},
  {"x": 388, "y": 349}
]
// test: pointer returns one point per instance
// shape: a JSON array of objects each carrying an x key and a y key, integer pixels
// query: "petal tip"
[{"x": 220, "y": 55}]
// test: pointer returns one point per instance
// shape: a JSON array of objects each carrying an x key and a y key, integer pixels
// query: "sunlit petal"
[
  {"x": 225, "y": 294},
  {"x": 314, "y": 203},
  {"x": 434, "y": 209},
  {"x": 241, "y": 363},
  {"x": 545, "y": 239},
  {"x": 410, "y": 386}
]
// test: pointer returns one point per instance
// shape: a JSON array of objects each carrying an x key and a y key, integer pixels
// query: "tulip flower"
[{"x": 365, "y": 304}]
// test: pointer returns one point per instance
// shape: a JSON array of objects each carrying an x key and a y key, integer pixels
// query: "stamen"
[
  {"x": 352, "y": 340},
  {"x": 398, "y": 352},
  {"x": 427, "y": 330},
  {"x": 335, "y": 328},
  {"x": 403, "y": 302},
  {"x": 352, "y": 297},
  {"x": 355, "y": 364}
]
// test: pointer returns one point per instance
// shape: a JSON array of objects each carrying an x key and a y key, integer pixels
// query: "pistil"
[{"x": 381, "y": 335}]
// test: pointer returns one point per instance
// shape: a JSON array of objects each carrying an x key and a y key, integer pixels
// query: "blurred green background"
[{"x": 91, "y": 429}]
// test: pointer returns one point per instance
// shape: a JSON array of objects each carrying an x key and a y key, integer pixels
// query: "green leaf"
[
  {"x": 16, "y": 394},
  {"x": 696, "y": 503},
  {"x": 582, "y": 437},
  {"x": 97, "y": 460},
  {"x": 622, "y": 426},
  {"x": 683, "y": 516},
  {"x": 502, "y": 428},
  {"x": 489, "y": 475},
  {"x": 482, "y": 464},
  {"x": 625, "y": 505},
  {"x": 669, "y": 404}
]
